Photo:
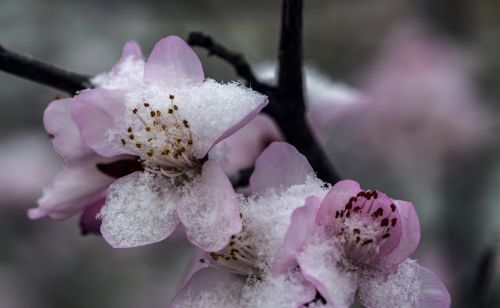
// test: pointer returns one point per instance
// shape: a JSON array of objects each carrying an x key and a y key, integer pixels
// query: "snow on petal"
[
  {"x": 209, "y": 288},
  {"x": 410, "y": 286},
  {"x": 209, "y": 209},
  {"x": 278, "y": 167},
  {"x": 277, "y": 291},
  {"x": 140, "y": 209},
  {"x": 97, "y": 112},
  {"x": 65, "y": 135},
  {"x": 267, "y": 217},
  {"x": 173, "y": 64},
  {"x": 215, "y": 111},
  {"x": 302, "y": 223},
  {"x": 127, "y": 72},
  {"x": 320, "y": 262}
]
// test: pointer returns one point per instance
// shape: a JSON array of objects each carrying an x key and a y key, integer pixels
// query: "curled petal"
[
  {"x": 210, "y": 288},
  {"x": 89, "y": 224},
  {"x": 302, "y": 223},
  {"x": 64, "y": 133},
  {"x": 97, "y": 112},
  {"x": 73, "y": 189},
  {"x": 279, "y": 167},
  {"x": 409, "y": 286},
  {"x": 131, "y": 51},
  {"x": 174, "y": 64},
  {"x": 410, "y": 236},
  {"x": 336, "y": 199},
  {"x": 319, "y": 262},
  {"x": 201, "y": 259},
  {"x": 209, "y": 209},
  {"x": 140, "y": 209}
]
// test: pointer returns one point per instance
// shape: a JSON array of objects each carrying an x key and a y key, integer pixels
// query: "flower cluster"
[
  {"x": 135, "y": 150},
  {"x": 137, "y": 168},
  {"x": 306, "y": 243}
]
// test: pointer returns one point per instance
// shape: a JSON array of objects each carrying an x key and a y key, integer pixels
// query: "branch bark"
[
  {"x": 41, "y": 72},
  {"x": 286, "y": 101}
]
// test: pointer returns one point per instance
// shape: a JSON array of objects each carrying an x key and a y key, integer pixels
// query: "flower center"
[
  {"x": 162, "y": 139},
  {"x": 238, "y": 257},
  {"x": 365, "y": 226}
]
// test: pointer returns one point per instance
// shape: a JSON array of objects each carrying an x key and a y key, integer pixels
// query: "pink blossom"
[
  {"x": 165, "y": 114},
  {"x": 359, "y": 241},
  {"x": 328, "y": 103},
  {"x": 240, "y": 274},
  {"x": 423, "y": 104}
]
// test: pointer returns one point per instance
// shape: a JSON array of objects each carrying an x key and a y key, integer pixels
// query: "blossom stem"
[{"x": 40, "y": 72}]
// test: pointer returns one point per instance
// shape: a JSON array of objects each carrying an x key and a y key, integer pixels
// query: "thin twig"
[
  {"x": 286, "y": 101},
  {"x": 235, "y": 59},
  {"x": 41, "y": 72}
]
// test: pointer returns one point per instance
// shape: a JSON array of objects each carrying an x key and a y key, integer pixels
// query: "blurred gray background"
[{"x": 49, "y": 264}]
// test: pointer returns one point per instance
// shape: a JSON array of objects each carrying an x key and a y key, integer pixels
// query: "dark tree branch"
[
  {"x": 235, "y": 59},
  {"x": 484, "y": 275},
  {"x": 40, "y": 72},
  {"x": 289, "y": 108},
  {"x": 287, "y": 104}
]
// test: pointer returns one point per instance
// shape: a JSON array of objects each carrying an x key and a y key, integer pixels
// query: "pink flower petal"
[
  {"x": 73, "y": 189},
  {"x": 131, "y": 50},
  {"x": 201, "y": 259},
  {"x": 97, "y": 112},
  {"x": 371, "y": 208},
  {"x": 89, "y": 224},
  {"x": 240, "y": 150},
  {"x": 140, "y": 209},
  {"x": 336, "y": 199},
  {"x": 173, "y": 63},
  {"x": 410, "y": 236},
  {"x": 215, "y": 111},
  {"x": 64, "y": 133},
  {"x": 280, "y": 291},
  {"x": 302, "y": 223},
  {"x": 409, "y": 286},
  {"x": 279, "y": 167},
  {"x": 210, "y": 288},
  {"x": 209, "y": 209},
  {"x": 319, "y": 263}
]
